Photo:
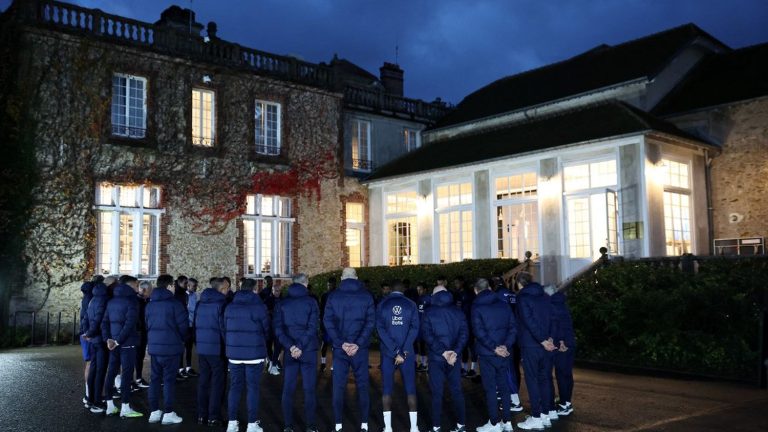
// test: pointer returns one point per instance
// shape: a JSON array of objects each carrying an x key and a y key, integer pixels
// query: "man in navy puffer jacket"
[
  {"x": 98, "y": 367},
  {"x": 119, "y": 329},
  {"x": 565, "y": 341},
  {"x": 296, "y": 323},
  {"x": 397, "y": 322},
  {"x": 246, "y": 329},
  {"x": 208, "y": 323},
  {"x": 349, "y": 320},
  {"x": 533, "y": 322},
  {"x": 444, "y": 329},
  {"x": 167, "y": 323},
  {"x": 495, "y": 332},
  {"x": 86, "y": 288}
]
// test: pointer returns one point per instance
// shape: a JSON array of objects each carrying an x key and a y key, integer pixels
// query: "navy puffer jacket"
[
  {"x": 121, "y": 317},
  {"x": 533, "y": 315},
  {"x": 95, "y": 312},
  {"x": 209, "y": 322},
  {"x": 349, "y": 315},
  {"x": 246, "y": 324},
  {"x": 444, "y": 327},
  {"x": 297, "y": 318},
  {"x": 562, "y": 324},
  {"x": 397, "y": 322},
  {"x": 167, "y": 323},
  {"x": 87, "y": 290},
  {"x": 493, "y": 323}
]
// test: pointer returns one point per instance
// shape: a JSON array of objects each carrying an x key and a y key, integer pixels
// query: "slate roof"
[
  {"x": 728, "y": 77},
  {"x": 597, "y": 68},
  {"x": 593, "y": 122}
]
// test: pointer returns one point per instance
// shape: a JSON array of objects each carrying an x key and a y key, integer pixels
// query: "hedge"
[
  {"x": 638, "y": 314},
  {"x": 428, "y": 273}
]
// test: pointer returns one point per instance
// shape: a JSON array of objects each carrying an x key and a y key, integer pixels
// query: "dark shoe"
[
  {"x": 202, "y": 421},
  {"x": 311, "y": 429},
  {"x": 98, "y": 408},
  {"x": 463, "y": 372},
  {"x": 287, "y": 429},
  {"x": 142, "y": 383},
  {"x": 471, "y": 373},
  {"x": 215, "y": 423},
  {"x": 180, "y": 377},
  {"x": 135, "y": 387},
  {"x": 191, "y": 372},
  {"x": 322, "y": 367}
]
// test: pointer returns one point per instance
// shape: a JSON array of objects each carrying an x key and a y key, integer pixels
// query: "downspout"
[{"x": 710, "y": 209}]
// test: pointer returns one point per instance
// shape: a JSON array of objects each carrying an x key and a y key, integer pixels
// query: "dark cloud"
[{"x": 449, "y": 48}]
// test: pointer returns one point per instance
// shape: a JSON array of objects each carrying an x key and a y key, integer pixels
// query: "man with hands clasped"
[
  {"x": 397, "y": 322},
  {"x": 445, "y": 331},
  {"x": 296, "y": 321}
]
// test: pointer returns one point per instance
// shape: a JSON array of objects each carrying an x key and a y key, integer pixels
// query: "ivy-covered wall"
[{"x": 66, "y": 80}]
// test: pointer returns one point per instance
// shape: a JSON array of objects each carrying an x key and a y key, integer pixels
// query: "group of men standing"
[{"x": 233, "y": 331}]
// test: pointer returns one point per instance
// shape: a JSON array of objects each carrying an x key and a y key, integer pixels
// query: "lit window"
[
  {"x": 129, "y": 106},
  {"x": 454, "y": 207},
  {"x": 128, "y": 229},
  {"x": 203, "y": 117},
  {"x": 267, "y": 119},
  {"x": 592, "y": 175},
  {"x": 411, "y": 138},
  {"x": 677, "y": 206},
  {"x": 402, "y": 202},
  {"x": 516, "y": 186},
  {"x": 517, "y": 222},
  {"x": 268, "y": 229},
  {"x": 354, "y": 233},
  {"x": 454, "y": 195},
  {"x": 361, "y": 146},
  {"x": 402, "y": 235}
]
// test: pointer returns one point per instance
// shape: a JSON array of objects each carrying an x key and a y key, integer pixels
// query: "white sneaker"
[
  {"x": 112, "y": 409},
  {"x": 127, "y": 412},
  {"x": 564, "y": 409},
  {"x": 171, "y": 418},
  {"x": 232, "y": 426},
  {"x": 255, "y": 427},
  {"x": 545, "y": 420},
  {"x": 488, "y": 427},
  {"x": 156, "y": 416},
  {"x": 531, "y": 423},
  {"x": 273, "y": 370},
  {"x": 552, "y": 415},
  {"x": 507, "y": 427}
]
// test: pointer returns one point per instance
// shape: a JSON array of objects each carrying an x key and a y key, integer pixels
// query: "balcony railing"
[
  {"x": 363, "y": 165},
  {"x": 379, "y": 100}
]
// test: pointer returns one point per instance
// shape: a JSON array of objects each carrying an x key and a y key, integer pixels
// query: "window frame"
[
  {"x": 399, "y": 215},
  {"x": 518, "y": 200},
  {"x": 409, "y": 146},
  {"x": 461, "y": 208},
  {"x": 678, "y": 190},
  {"x": 279, "y": 126},
  {"x": 137, "y": 212},
  {"x": 214, "y": 119},
  {"x": 276, "y": 220},
  {"x": 360, "y": 226},
  {"x": 357, "y": 164},
  {"x": 127, "y": 107}
]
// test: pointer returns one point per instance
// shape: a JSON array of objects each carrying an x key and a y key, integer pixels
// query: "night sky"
[{"x": 449, "y": 48}]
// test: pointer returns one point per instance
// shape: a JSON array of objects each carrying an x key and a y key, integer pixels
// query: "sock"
[
  {"x": 473, "y": 366},
  {"x": 110, "y": 405},
  {"x": 86, "y": 392},
  {"x": 387, "y": 420},
  {"x": 516, "y": 399},
  {"x": 414, "y": 420},
  {"x": 338, "y": 426},
  {"x": 364, "y": 426},
  {"x": 322, "y": 360}
]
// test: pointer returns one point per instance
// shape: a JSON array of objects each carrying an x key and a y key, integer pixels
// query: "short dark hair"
[
  {"x": 267, "y": 278},
  {"x": 210, "y": 281},
  {"x": 164, "y": 280},
  {"x": 398, "y": 286},
  {"x": 227, "y": 280},
  {"x": 98, "y": 279},
  {"x": 216, "y": 283},
  {"x": 193, "y": 280},
  {"x": 124, "y": 279},
  {"x": 442, "y": 278},
  {"x": 248, "y": 285}
]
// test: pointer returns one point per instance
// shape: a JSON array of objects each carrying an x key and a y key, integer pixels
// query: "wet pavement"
[{"x": 41, "y": 390}]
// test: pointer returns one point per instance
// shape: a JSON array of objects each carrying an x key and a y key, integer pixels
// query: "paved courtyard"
[{"x": 41, "y": 390}]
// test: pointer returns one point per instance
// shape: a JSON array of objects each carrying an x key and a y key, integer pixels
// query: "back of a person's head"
[
  {"x": 248, "y": 285},
  {"x": 163, "y": 281},
  {"x": 481, "y": 285},
  {"x": 126, "y": 279},
  {"x": 210, "y": 281},
  {"x": 97, "y": 279},
  {"x": 300, "y": 278},
  {"x": 348, "y": 273},
  {"x": 216, "y": 283},
  {"x": 398, "y": 286},
  {"x": 524, "y": 278}
]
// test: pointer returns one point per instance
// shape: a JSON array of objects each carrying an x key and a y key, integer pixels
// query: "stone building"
[
  {"x": 652, "y": 147},
  {"x": 139, "y": 148}
]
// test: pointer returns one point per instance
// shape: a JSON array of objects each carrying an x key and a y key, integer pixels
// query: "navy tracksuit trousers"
[
  {"x": 548, "y": 396},
  {"x": 210, "y": 386},
  {"x": 440, "y": 372},
  {"x": 535, "y": 367},
  {"x": 163, "y": 371},
  {"x": 244, "y": 375},
  {"x": 307, "y": 366},
  {"x": 493, "y": 371},
  {"x": 564, "y": 374},
  {"x": 121, "y": 359},
  {"x": 97, "y": 371},
  {"x": 342, "y": 363}
]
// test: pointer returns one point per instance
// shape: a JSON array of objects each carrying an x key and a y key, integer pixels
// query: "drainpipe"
[{"x": 710, "y": 209}]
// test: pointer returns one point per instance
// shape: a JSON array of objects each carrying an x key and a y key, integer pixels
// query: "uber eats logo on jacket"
[{"x": 396, "y": 318}]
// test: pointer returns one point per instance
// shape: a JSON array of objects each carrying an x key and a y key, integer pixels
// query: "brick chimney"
[
  {"x": 181, "y": 20},
  {"x": 392, "y": 78}
]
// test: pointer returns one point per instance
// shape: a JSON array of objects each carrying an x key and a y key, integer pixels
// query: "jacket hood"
[
  {"x": 486, "y": 297},
  {"x": 558, "y": 298},
  {"x": 246, "y": 297},
  {"x": 86, "y": 287},
  {"x": 532, "y": 289},
  {"x": 297, "y": 290},
  {"x": 442, "y": 298},
  {"x": 160, "y": 294},
  {"x": 123, "y": 290},
  {"x": 350, "y": 285},
  {"x": 100, "y": 290},
  {"x": 210, "y": 295}
]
